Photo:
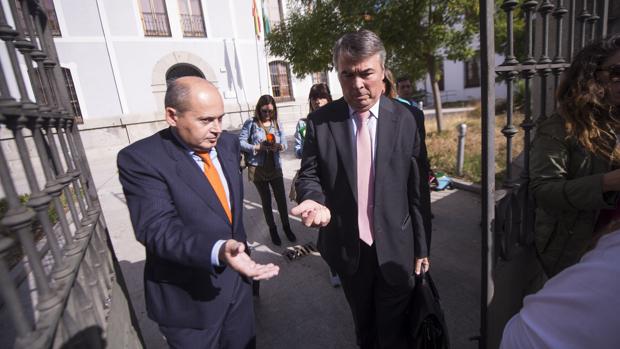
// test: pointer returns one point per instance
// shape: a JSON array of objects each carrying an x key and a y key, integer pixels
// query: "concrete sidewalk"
[{"x": 299, "y": 308}]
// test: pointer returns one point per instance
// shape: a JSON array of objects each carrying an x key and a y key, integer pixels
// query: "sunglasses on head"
[{"x": 613, "y": 71}]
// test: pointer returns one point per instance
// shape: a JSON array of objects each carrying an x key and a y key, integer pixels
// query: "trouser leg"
[
  {"x": 277, "y": 185},
  {"x": 265, "y": 199}
]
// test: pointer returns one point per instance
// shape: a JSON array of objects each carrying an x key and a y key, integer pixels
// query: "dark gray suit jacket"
[{"x": 328, "y": 176}]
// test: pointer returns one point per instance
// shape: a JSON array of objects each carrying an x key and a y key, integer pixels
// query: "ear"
[{"x": 171, "y": 116}]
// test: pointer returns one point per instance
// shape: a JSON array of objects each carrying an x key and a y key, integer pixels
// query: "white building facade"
[{"x": 119, "y": 54}]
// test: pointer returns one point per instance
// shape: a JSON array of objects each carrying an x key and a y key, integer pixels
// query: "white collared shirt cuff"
[{"x": 215, "y": 253}]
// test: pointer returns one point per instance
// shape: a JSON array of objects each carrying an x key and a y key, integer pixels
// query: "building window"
[
  {"x": 75, "y": 104},
  {"x": 472, "y": 71},
  {"x": 192, "y": 21},
  {"x": 52, "y": 19},
  {"x": 50, "y": 13},
  {"x": 320, "y": 78},
  {"x": 154, "y": 18},
  {"x": 272, "y": 14},
  {"x": 280, "y": 81}
]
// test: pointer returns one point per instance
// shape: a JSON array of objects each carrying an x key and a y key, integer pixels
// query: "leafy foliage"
[{"x": 416, "y": 33}]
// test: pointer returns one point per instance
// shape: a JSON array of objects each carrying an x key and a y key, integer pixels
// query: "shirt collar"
[{"x": 374, "y": 110}]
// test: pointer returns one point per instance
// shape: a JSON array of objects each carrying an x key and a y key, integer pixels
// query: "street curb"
[{"x": 468, "y": 186}]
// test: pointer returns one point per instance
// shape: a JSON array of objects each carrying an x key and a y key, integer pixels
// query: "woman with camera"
[{"x": 262, "y": 139}]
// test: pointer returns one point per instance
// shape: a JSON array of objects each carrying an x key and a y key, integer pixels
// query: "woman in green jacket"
[{"x": 575, "y": 158}]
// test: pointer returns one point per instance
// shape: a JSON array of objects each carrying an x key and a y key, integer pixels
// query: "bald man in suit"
[{"x": 184, "y": 192}]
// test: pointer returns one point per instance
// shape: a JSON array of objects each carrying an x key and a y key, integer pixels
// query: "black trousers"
[
  {"x": 378, "y": 308},
  {"x": 277, "y": 185}
]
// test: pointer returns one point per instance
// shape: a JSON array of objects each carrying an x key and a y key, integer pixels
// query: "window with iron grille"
[
  {"x": 75, "y": 104},
  {"x": 280, "y": 81},
  {"x": 50, "y": 12},
  {"x": 320, "y": 78},
  {"x": 192, "y": 21},
  {"x": 154, "y": 18},
  {"x": 472, "y": 71},
  {"x": 273, "y": 13},
  {"x": 52, "y": 19}
]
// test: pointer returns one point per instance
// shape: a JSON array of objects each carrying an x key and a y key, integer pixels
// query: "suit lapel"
[
  {"x": 190, "y": 173},
  {"x": 340, "y": 127},
  {"x": 387, "y": 129}
]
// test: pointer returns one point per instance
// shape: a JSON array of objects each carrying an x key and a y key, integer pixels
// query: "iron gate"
[
  {"x": 554, "y": 31},
  {"x": 60, "y": 283}
]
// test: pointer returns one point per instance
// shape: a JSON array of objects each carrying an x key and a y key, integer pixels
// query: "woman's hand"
[
  {"x": 277, "y": 147},
  {"x": 262, "y": 146}
]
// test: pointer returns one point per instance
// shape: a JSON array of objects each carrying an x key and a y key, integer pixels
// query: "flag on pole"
[{"x": 256, "y": 17}]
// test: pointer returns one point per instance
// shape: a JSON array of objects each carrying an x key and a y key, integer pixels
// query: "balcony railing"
[
  {"x": 193, "y": 25},
  {"x": 155, "y": 24}
]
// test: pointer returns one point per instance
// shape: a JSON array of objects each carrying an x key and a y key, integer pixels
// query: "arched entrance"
[{"x": 183, "y": 69}]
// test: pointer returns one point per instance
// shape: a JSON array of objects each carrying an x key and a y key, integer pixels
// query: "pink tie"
[{"x": 365, "y": 179}]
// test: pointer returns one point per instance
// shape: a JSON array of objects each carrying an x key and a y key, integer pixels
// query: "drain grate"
[{"x": 295, "y": 252}]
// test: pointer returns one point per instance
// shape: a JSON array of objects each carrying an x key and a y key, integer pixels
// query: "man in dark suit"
[
  {"x": 359, "y": 182},
  {"x": 184, "y": 193}
]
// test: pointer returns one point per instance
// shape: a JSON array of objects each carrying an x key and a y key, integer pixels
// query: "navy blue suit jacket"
[{"x": 176, "y": 215}]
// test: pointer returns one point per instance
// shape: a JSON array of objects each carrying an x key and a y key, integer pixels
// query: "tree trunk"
[{"x": 436, "y": 94}]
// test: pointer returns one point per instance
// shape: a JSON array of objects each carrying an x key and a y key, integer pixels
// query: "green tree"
[{"x": 417, "y": 34}]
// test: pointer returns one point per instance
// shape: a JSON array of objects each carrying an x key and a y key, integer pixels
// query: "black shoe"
[
  {"x": 275, "y": 238},
  {"x": 289, "y": 234}
]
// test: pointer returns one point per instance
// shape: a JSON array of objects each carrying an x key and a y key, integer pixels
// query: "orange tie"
[{"x": 216, "y": 182}]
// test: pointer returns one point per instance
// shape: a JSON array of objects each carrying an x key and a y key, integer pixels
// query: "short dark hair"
[
  {"x": 402, "y": 78},
  {"x": 317, "y": 91},
  {"x": 358, "y": 45},
  {"x": 177, "y": 95}
]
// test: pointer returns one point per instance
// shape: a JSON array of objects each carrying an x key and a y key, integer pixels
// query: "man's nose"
[{"x": 358, "y": 82}]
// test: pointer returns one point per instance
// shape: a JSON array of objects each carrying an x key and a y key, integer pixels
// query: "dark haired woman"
[
  {"x": 319, "y": 96},
  {"x": 574, "y": 175},
  {"x": 262, "y": 139}
]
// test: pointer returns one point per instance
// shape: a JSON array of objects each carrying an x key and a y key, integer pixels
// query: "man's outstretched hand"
[
  {"x": 312, "y": 213},
  {"x": 232, "y": 253}
]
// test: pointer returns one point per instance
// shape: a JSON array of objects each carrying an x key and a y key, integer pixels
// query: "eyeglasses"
[
  {"x": 613, "y": 72},
  {"x": 267, "y": 111}
]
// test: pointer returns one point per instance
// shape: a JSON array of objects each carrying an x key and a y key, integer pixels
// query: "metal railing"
[
  {"x": 59, "y": 288},
  {"x": 155, "y": 24},
  {"x": 193, "y": 25},
  {"x": 554, "y": 32}
]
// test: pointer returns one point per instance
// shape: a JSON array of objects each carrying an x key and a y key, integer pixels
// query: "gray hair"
[{"x": 359, "y": 45}]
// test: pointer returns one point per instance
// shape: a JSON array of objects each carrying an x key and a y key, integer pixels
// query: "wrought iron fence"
[
  {"x": 553, "y": 32},
  {"x": 60, "y": 283}
]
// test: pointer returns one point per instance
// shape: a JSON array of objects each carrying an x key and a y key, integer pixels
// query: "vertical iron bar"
[
  {"x": 592, "y": 21},
  {"x": 487, "y": 60},
  {"x": 571, "y": 29},
  {"x": 605, "y": 18},
  {"x": 9, "y": 293},
  {"x": 583, "y": 18}
]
